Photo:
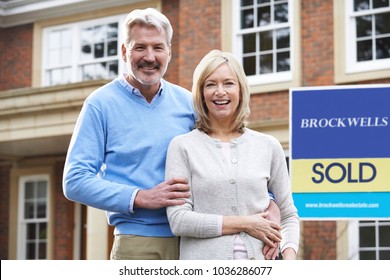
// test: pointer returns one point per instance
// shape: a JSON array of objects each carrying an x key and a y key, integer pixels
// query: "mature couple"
[{"x": 164, "y": 163}]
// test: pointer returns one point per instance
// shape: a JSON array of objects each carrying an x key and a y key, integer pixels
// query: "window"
[
  {"x": 33, "y": 217},
  {"x": 81, "y": 51},
  {"x": 370, "y": 240},
  {"x": 368, "y": 33},
  {"x": 374, "y": 240},
  {"x": 264, "y": 39}
]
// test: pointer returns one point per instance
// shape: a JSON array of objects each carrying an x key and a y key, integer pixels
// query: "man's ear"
[
  {"x": 123, "y": 52},
  {"x": 170, "y": 54}
]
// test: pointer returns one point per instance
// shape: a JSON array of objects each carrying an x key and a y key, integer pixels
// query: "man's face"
[{"x": 147, "y": 56}]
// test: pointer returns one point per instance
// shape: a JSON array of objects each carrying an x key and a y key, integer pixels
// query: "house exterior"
[{"x": 53, "y": 54}]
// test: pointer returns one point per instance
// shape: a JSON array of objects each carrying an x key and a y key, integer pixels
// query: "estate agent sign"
[{"x": 340, "y": 151}]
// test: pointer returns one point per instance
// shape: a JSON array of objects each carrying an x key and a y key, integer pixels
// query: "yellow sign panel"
[{"x": 340, "y": 175}]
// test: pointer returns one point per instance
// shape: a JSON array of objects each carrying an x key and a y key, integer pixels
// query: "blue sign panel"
[{"x": 340, "y": 151}]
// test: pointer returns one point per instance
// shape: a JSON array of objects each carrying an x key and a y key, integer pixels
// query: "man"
[
  {"x": 116, "y": 158},
  {"x": 122, "y": 135}
]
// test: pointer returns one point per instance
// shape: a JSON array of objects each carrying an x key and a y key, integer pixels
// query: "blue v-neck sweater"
[{"x": 119, "y": 145}]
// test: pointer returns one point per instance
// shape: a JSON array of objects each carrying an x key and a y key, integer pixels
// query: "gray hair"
[{"x": 147, "y": 17}]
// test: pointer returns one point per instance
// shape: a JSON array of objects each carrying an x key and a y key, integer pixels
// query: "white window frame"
[
  {"x": 22, "y": 222},
  {"x": 352, "y": 65},
  {"x": 353, "y": 233},
  {"x": 75, "y": 61},
  {"x": 271, "y": 78}
]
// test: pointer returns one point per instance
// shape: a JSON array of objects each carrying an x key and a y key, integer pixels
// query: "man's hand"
[
  {"x": 272, "y": 252},
  {"x": 168, "y": 193},
  {"x": 263, "y": 229}
]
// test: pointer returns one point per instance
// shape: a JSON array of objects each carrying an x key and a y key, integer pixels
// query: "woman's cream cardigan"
[{"x": 218, "y": 188}]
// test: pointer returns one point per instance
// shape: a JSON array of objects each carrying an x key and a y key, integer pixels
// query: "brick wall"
[
  {"x": 317, "y": 43},
  {"x": 197, "y": 24},
  {"x": 170, "y": 9},
  {"x": 64, "y": 220},
  {"x": 4, "y": 209},
  {"x": 269, "y": 106},
  {"x": 319, "y": 240},
  {"x": 16, "y": 57},
  {"x": 200, "y": 32}
]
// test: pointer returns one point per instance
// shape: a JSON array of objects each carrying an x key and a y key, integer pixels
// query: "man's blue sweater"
[{"x": 119, "y": 145}]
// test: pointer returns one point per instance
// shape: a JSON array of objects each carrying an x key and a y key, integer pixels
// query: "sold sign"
[{"x": 340, "y": 151}]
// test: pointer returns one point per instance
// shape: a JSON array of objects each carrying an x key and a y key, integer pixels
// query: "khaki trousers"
[{"x": 133, "y": 247}]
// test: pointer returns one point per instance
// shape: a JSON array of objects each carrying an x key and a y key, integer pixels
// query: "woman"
[{"x": 230, "y": 170}]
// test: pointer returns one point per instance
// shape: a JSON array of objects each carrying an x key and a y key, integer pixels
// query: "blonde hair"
[
  {"x": 146, "y": 17},
  {"x": 209, "y": 63}
]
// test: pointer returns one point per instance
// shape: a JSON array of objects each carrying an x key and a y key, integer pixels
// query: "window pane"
[
  {"x": 264, "y": 15},
  {"x": 384, "y": 255},
  {"x": 66, "y": 56},
  {"x": 112, "y": 31},
  {"x": 41, "y": 210},
  {"x": 380, "y": 3},
  {"x": 60, "y": 76},
  {"x": 28, "y": 210},
  {"x": 60, "y": 47},
  {"x": 56, "y": 77},
  {"x": 54, "y": 58},
  {"x": 247, "y": 19},
  {"x": 86, "y": 52},
  {"x": 283, "y": 61},
  {"x": 86, "y": 36},
  {"x": 360, "y": 5},
  {"x": 281, "y": 13},
  {"x": 266, "y": 63},
  {"x": 367, "y": 255},
  {"x": 364, "y": 50},
  {"x": 42, "y": 189},
  {"x": 246, "y": 2},
  {"x": 101, "y": 71},
  {"x": 99, "y": 33},
  {"x": 383, "y": 48},
  {"x": 249, "y": 42},
  {"x": 66, "y": 38},
  {"x": 382, "y": 23},
  {"x": 384, "y": 236},
  {"x": 262, "y": 1},
  {"x": 99, "y": 50},
  {"x": 86, "y": 43},
  {"x": 367, "y": 236},
  {"x": 88, "y": 72},
  {"x": 54, "y": 40},
  {"x": 112, "y": 48},
  {"x": 42, "y": 231},
  {"x": 283, "y": 38},
  {"x": 113, "y": 69},
  {"x": 266, "y": 41},
  {"x": 30, "y": 251},
  {"x": 42, "y": 250},
  {"x": 29, "y": 190},
  {"x": 366, "y": 222},
  {"x": 250, "y": 65},
  {"x": 30, "y": 232},
  {"x": 363, "y": 26}
]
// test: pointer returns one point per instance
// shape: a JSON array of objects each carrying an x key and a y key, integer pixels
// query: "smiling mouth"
[
  {"x": 221, "y": 102},
  {"x": 149, "y": 67}
]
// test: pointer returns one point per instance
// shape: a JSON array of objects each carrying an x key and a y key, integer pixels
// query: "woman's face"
[{"x": 221, "y": 93}]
